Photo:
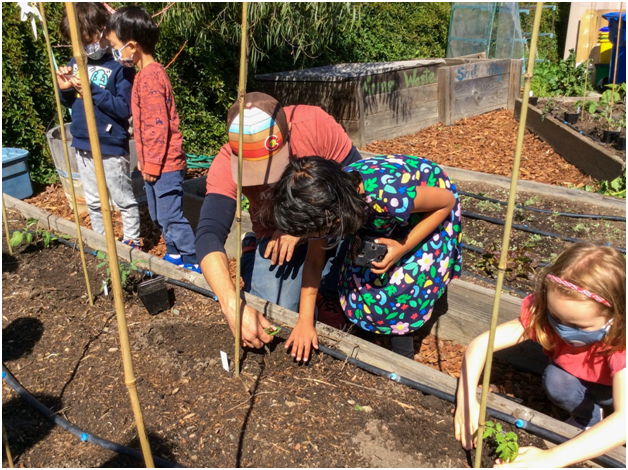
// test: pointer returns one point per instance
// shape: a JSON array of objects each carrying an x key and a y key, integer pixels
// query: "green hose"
[{"x": 199, "y": 161}]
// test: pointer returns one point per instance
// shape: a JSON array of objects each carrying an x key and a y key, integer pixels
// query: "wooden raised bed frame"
[
  {"x": 388, "y": 100},
  {"x": 469, "y": 310}
]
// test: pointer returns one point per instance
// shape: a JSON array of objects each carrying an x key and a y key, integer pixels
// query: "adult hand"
[
  {"x": 252, "y": 326},
  {"x": 149, "y": 178},
  {"x": 394, "y": 253},
  {"x": 303, "y": 336},
  {"x": 280, "y": 248},
  {"x": 530, "y": 457},
  {"x": 62, "y": 79},
  {"x": 466, "y": 422}
]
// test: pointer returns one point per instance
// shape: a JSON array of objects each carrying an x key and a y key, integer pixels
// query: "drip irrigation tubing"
[
  {"x": 524, "y": 228},
  {"x": 545, "y": 211},
  {"x": 80, "y": 433},
  {"x": 519, "y": 423},
  {"x": 583, "y": 133}
]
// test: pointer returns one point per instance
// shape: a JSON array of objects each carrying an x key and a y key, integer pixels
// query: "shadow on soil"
[
  {"x": 19, "y": 337},
  {"x": 158, "y": 446}
]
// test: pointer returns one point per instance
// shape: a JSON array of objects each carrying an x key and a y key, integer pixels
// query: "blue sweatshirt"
[{"x": 111, "y": 86}]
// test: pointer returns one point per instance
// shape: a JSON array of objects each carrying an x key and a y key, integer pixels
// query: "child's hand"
[
  {"x": 394, "y": 253},
  {"x": 62, "y": 77},
  {"x": 76, "y": 83},
  {"x": 466, "y": 422},
  {"x": 302, "y": 338},
  {"x": 149, "y": 178},
  {"x": 530, "y": 457}
]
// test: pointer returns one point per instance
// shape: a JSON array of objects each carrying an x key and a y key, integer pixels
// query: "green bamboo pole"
[
  {"x": 55, "y": 85},
  {"x": 503, "y": 259},
  {"x": 127, "y": 360},
  {"x": 5, "y": 222},
  {"x": 241, "y": 93},
  {"x": 7, "y": 450}
]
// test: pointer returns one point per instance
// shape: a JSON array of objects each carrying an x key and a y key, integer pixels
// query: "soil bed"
[
  {"x": 592, "y": 124},
  {"x": 279, "y": 414}
]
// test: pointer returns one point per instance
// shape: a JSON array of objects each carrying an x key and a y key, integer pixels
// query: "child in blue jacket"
[{"x": 111, "y": 86}]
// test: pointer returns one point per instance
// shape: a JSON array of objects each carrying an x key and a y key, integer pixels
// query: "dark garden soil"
[
  {"x": 486, "y": 143},
  {"x": 279, "y": 414},
  {"x": 592, "y": 124}
]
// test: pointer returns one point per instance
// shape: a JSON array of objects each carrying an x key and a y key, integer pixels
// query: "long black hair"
[{"x": 316, "y": 197}]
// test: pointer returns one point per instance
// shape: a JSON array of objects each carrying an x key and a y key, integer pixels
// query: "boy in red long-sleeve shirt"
[{"x": 158, "y": 142}]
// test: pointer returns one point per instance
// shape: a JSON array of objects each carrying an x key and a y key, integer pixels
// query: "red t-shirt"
[
  {"x": 587, "y": 362},
  {"x": 313, "y": 132},
  {"x": 158, "y": 142}
]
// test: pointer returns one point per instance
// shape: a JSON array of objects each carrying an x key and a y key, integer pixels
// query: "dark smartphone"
[{"x": 370, "y": 252}]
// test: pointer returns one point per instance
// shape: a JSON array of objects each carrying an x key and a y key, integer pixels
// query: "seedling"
[
  {"x": 125, "y": 269},
  {"x": 506, "y": 442},
  {"x": 272, "y": 332},
  {"x": 33, "y": 235}
]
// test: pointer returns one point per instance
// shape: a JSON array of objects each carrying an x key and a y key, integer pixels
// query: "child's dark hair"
[
  {"x": 92, "y": 18},
  {"x": 134, "y": 24},
  {"x": 598, "y": 269},
  {"x": 315, "y": 196}
]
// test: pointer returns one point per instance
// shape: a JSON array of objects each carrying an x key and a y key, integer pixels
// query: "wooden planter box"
[
  {"x": 377, "y": 101},
  {"x": 588, "y": 156}
]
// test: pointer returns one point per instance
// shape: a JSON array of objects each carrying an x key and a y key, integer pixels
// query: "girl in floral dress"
[{"x": 409, "y": 204}]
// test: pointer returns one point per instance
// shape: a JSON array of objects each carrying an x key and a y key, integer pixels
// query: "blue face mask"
[
  {"x": 123, "y": 61},
  {"x": 576, "y": 337}
]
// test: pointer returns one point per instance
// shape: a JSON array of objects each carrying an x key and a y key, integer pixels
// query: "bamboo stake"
[
  {"x": 616, "y": 47},
  {"x": 7, "y": 450},
  {"x": 586, "y": 74},
  {"x": 55, "y": 85},
  {"x": 241, "y": 93},
  {"x": 129, "y": 377},
  {"x": 5, "y": 222},
  {"x": 503, "y": 259}
]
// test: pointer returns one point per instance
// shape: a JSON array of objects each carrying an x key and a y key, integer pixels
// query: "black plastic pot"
[
  {"x": 533, "y": 100},
  {"x": 572, "y": 118},
  {"x": 609, "y": 137},
  {"x": 154, "y": 295},
  {"x": 620, "y": 144}
]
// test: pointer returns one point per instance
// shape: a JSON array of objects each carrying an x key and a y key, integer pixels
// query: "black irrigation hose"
[
  {"x": 523, "y": 228},
  {"x": 545, "y": 211},
  {"x": 83, "y": 435},
  {"x": 526, "y": 425},
  {"x": 582, "y": 132}
]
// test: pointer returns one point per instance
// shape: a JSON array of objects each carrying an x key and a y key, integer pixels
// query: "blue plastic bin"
[
  {"x": 16, "y": 181},
  {"x": 613, "y": 25}
]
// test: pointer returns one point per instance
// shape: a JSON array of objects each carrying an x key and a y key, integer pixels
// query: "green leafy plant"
[
  {"x": 561, "y": 78},
  {"x": 125, "y": 269},
  {"x": 506, "y": 442},
  {"x": 33, "y": 236},
  {"x": 606, "y": 102},
  {"x": 520, "y": 263}
]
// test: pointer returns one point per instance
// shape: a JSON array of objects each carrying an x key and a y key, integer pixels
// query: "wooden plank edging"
[{"x": 350, "y": 345}]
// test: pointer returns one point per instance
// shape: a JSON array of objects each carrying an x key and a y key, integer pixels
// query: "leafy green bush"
[{"x": 562, "y": 78}]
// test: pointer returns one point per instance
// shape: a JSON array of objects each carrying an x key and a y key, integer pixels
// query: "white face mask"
[
  {"x": 95, "y": 51},
  {"x": 124, "y": 62}
]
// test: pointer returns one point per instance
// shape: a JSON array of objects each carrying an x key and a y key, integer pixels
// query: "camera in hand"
[{"x": 370, "y": 252}]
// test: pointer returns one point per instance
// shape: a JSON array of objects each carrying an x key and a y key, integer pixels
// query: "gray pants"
[{"x": 120, "y": 190}]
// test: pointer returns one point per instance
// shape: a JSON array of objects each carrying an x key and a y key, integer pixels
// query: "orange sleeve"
[
  {"x": 219, "y": 177},
  {"x": 155, "y": 123}
]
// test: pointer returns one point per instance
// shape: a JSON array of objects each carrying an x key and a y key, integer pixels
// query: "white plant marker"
[{"x": 225, "y": 360}]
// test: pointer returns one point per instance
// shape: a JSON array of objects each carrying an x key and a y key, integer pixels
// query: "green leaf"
[
  {"x": 16, "y": 238},
  {"x": 29, "y": 238}
]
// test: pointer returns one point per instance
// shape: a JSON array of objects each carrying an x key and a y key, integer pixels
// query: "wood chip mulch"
[{"x": 487, "y": 143}]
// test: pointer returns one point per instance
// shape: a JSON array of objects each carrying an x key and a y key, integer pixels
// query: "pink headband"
[{"x": 579, "y": 289}]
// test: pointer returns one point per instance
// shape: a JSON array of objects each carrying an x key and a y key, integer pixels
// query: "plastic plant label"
[{"x": 225, "y": 360}]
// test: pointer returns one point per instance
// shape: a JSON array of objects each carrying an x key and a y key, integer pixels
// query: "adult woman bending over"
[{"x": 403, "y": 202}]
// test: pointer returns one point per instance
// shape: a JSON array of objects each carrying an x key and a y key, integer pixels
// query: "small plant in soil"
[
  {"x": 125, "y": 269},
  {"x": 507, "y": 447},
  {"x": 521, "y": 262},
  {"x": 33, "y": 236}
]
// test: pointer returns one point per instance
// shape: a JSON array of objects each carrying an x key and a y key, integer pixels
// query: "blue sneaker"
[
  {"x": 171, "y": 259},
  {"x": 193, "y": 267},
  {"x": 132, "y": 244}
]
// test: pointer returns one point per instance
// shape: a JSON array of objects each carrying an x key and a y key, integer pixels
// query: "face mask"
[
  {"x": 124, "y": 62},
  {"x": 576, "y": 337},
  {"x": 94, "y": 51}
]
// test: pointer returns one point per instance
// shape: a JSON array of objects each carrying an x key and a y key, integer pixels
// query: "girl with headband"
[{"x": 578, "y": 315}]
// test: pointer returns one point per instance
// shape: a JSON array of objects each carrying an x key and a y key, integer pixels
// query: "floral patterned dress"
[{"x": 401, "y": 300}]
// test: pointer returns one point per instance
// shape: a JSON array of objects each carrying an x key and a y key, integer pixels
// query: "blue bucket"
[{"x": 16, "y": 181}]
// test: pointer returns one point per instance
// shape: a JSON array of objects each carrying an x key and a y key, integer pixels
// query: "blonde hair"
[{"x": 598, "y": 269}]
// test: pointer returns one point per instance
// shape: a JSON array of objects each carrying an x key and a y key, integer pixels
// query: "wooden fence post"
[{"x": 445, "y": 95}]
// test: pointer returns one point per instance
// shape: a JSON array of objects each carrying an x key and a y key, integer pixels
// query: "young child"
[
  {"x": 111, "y": 91},
  {"x": 578, "y": 315},
  {"x": 133, "y": 36},
  {"x": 408, "y": 205}
]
